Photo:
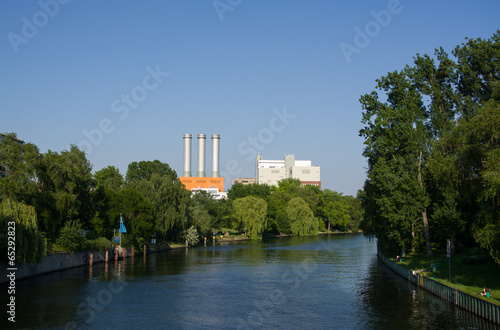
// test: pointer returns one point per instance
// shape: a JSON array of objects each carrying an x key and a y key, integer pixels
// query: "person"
[{"x": 485, "y": 292}]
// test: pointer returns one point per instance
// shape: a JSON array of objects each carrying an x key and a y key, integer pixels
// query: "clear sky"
[{"x": 125, "y": 80}]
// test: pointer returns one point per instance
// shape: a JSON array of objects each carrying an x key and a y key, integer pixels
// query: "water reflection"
[{"x": 293, "y": 283}]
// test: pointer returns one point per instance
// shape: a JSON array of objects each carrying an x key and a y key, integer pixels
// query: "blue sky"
[{"x": 125, "y": 80}]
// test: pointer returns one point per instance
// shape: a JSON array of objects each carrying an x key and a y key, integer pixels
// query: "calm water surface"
[{"x": 326, "y": 282}]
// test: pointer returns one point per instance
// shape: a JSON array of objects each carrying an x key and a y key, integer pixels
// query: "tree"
[
  {"x": 144, "y": 170},
  {"x": 64, "y": 181},
  {"x": 163, "y": 189},
  {"x": 251, "y": 213},
  {"x": 335, "y": 208},
  {"x": 239, "y": 190},
  {"x": 302, "y": 220},
  {"x": 137, "y": 215},
  {"x": 20, "y": 219},
  {"x": 109, "y": 177},
  {"x": 71, "y": 237},
  {"x": 431, "y": 148},
  {"x": 396, "y": 139},
  {"x": 18, "y": 167},
  {"x": 201, "y": 212},
  {"x": 472, "y": 155}
]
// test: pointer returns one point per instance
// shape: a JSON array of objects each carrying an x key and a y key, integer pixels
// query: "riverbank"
[
  {"x": 62, "y": 261},
  {"x": 472, "y": 303}
]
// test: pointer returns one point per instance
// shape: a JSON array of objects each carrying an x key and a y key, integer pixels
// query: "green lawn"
[{"x": 469, "y": 271}]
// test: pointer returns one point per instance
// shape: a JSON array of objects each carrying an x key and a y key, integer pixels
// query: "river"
[{"x": 325, "y": 282}]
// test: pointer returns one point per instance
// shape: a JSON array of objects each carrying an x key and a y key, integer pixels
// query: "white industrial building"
[{"x": 272, "y": 171}]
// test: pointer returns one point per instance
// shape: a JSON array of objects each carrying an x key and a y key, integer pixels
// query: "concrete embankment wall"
[
  {"x": 461, "y": 299},
  {"x": 52, "y": 263}
]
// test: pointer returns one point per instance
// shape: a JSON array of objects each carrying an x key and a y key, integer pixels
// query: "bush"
[
  {"x": 99, "y": 244},
  {"x": 191, "y": 235},
  {"x": 71, "y": 238}
]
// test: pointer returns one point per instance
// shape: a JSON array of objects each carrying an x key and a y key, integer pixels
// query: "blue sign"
[{"x": 117, "y": 239}]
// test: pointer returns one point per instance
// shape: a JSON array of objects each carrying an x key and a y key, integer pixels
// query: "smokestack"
[
  {"x": 201, "y": 155},
  {"x": 187, "y": 155},
  {"x": 215, "y": 155}
]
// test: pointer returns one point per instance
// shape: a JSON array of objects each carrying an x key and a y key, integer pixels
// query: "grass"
[{"x": 469, "y": 271}]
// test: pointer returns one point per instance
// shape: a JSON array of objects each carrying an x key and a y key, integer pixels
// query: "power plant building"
[
  {"x": 272, "y": 171},
  {"x": 213, "y": 184}
]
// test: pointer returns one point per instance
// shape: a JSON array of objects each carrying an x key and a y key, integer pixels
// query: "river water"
[{"x": 325, "y": 282}]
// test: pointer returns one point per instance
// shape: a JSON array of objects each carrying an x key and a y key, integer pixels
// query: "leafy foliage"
[
  {"x": 433, "y": 151},
  {"x": 71, "y": 238},
  {"x": 190, "y": 235},
  {"x": 303, "y": 222},
  {"x": 251, "y": 214},
  {"x": 31, "y": 245}
]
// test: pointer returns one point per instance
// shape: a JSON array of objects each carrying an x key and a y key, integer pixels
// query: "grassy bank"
[{"x": 469, "y": 271}]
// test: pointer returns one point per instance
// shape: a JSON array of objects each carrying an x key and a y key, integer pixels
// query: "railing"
[{"x": 464, "y": 300}]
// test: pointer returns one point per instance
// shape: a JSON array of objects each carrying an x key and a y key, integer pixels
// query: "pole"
[
  {"x": 448, "y": 254},
  {"x": 120, "y": 230}
]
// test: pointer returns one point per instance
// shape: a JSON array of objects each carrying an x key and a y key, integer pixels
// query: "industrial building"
[
  {"x": 243, "y": 181},
  {"x": 213, "y": 184},
  {"x": 272, "y": 171}
]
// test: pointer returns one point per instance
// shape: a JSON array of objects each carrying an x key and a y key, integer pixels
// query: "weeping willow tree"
[
  {"x": 251, "y": 213},
  {"x": 31, "y": 245}
]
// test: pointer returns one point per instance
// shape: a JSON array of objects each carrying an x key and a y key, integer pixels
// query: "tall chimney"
[
  {"x": 187, "y": 155},
  {"x": 201, "y": 155},
  {"x": 215, "y": 155}
]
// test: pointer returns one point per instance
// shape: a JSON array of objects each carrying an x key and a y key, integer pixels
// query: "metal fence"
[{"x": 464, "y": 300}]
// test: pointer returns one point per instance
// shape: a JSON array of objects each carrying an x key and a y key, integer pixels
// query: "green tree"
[
  {"x": 18, "y": 168},
  {"x": 251, "y": 213},
  {"x": 432, "y": 159},
  {"x": 472, "y": 155},
  {"x": 163, "y": 189},
  {"x": 64, "y": 195},
  {"x": 144, "y": 170},
  {"x": 137, "y": 213},
  {"x": 356, "y": 210},
  {"x": 20, "y": 219},
  {"x": 239, "y": 190},
  {"x": 71, "y": 237},
  {"x": 109, "y": 177},
  {"x": 201, "y": 213},
  {"x": 335, "y": 208},
  {"x": 396, "y": 139},
  {"x": 302, "y": 220}
]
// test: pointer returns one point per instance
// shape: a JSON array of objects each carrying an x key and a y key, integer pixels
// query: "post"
[
  {"x": 448, "y": 254},
  {"x": 186, "y": 244},
  {"x": 107, "y": 256},
  {"x": 91, "y": 259},
  {"x": 205, "y": 241},
  {"x": 144, "y": 250},
  {"x": 132, "y": 251}
]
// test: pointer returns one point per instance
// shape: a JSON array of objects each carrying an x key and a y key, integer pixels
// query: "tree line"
[
  {"x": 432, "y": 141},
  {"x": 54, "y": 197}
]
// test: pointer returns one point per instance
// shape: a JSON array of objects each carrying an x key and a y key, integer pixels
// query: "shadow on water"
[
  {"x": 294, "y": 283},
  {"x": 395, "y": 303}
]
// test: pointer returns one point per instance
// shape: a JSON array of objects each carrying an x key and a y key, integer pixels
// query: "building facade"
[
  {"x": 273, "y": 171},
  {"x": 243, "y": 181}
]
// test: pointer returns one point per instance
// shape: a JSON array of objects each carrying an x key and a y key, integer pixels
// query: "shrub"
[
  {"x": 71, "y": 238},
  {"x": 99, "y": 244}
]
